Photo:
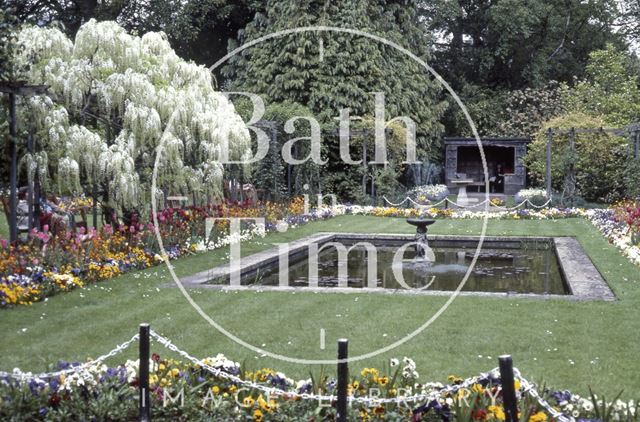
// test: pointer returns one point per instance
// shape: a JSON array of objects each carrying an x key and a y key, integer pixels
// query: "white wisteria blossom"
[{"x": 115, "y": 104}]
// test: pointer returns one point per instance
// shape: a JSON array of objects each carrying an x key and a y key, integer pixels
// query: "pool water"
[{"x": 532, "y": 268}]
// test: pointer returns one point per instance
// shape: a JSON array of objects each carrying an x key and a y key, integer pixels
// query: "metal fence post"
[
  {"x": 343, "y": 379},
  {"x": 508, "y": 388},
  {"x": 143, "y": 373}
]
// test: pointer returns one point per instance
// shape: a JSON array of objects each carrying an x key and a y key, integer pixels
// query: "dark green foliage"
[
  {"x": 513, "y": 43},
  {"x": 492, "y": 51},
  {"x": 527, "y": 109},
  {"x": 600, "y": 169},
  {"x": 519, "y": 112},
  {"x": 485, "y": 106},
  {"x": 610, "y": 88},
  {"x": 349, "y": 69},
  {"x": 594, "y": 171},
  {"x": 8, "y": 27},
  {"x": 198, "y": 30},
  {"x": 632, "y": 178}
]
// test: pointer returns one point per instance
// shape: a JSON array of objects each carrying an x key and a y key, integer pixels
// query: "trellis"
[
  {"x": 14, "y": 89},
  {"x": 631, "y": 131}
]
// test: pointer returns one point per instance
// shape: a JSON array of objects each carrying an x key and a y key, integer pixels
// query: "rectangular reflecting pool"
[
  {"x": 533, "y": 268},
  {"x": 384, "y": 263}
]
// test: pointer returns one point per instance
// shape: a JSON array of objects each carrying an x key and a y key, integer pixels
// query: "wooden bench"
[{"x": 7, "y": 212}]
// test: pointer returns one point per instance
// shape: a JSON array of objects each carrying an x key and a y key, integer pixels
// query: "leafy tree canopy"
[
  {"x": 512, "y": 44},
  {"x": 328, "y": 71},
  {"x": 610, "y": 88},
  {"x": 197, "y": 30}
]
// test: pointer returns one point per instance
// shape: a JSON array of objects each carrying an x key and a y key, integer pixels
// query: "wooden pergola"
[
  {"x": 13, "y": 89},
  {"x": 631, "y": 131}
]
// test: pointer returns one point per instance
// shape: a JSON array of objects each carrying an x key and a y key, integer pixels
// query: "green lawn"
[
  {"x": 565, "y": 344},
  {"x": 4, "y": 226}
]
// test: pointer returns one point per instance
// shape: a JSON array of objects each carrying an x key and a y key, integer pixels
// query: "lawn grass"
[
  {"x": 568, "y": 345},
  {"x": 4, "y": 226}
]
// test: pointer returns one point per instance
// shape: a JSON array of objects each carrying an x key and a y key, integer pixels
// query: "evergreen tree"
[{"x": 327, "y": 71}]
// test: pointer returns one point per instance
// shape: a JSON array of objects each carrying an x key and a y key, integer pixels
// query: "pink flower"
[
  {"x": 4, "y": 243},
  {"x": 44, "y": 237},
  {"x": 132, "y": 229},
  {"x": 45, "y": 228}
]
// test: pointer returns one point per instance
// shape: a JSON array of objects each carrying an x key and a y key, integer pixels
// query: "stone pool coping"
[{"x": 583, "y": 279}]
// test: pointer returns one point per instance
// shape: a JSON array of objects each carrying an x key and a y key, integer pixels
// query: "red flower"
[
  {"x": 479, "y": 414},
  {"x": 155, "y": 357},
  {"x": 54, "y": 400}
]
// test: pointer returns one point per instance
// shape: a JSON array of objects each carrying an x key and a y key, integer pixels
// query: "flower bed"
[
  {"x": 533, "y": 195},
  {"x": 617, "y": 231},
  {"x": 218, "y": 388},
  {"x": 541, "y": 214},
  {"x": 429, "y": 193},
  {"x": 48, "y": 264}
]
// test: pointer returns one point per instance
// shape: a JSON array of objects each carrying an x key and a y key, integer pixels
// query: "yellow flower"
[
  {"x": 215, "y": 389},
  {"x": 477, "y": 388},
  {"x": 161, "y": 367},
  {"x": 383, "y": 381},
  {"x": 248, "y": 402},
  {"x": 517, "y": 385},
  {"x": 370, "y": 371},
  {"x": 497, "y": 412},
  {"x": 257, "y": 415},
  {"x": 266, "y": 406},
  {"x": 538, "y": 417},
  {"x": 174, "y": 372},
  {"x": 453, "y": 379}
]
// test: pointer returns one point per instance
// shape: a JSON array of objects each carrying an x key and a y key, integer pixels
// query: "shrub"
[{"x": 632, "y": 179}]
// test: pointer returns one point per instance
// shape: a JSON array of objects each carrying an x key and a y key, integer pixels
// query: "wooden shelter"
[{"x": 504, "y": 158}]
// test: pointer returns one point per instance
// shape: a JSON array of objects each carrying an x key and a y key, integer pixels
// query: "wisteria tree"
[{"x": 116, "y": 103}]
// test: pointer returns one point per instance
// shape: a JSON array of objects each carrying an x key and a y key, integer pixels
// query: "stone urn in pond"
[{"x": 423, "y": 251}]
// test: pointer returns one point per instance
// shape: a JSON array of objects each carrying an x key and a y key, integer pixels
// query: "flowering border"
[{"x": 39, "y": 283}]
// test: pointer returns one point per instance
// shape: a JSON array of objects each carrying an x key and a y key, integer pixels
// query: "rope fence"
[
  {"x": 447, "y": 200},
  {"x": 28, "y": 376},
  {"x": 442, "y": 391}
]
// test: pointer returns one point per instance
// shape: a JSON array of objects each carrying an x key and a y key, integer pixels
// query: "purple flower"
[{"x": 561, "y": 396}]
